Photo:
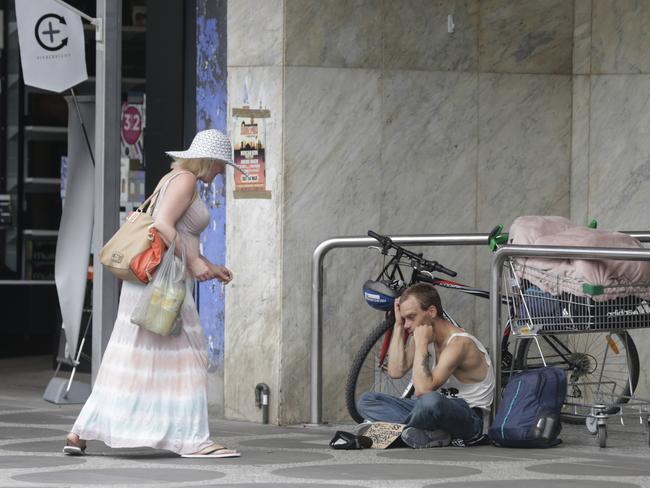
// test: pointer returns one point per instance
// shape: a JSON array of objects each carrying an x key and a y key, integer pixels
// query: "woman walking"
[{"x": 152, "y": 390}]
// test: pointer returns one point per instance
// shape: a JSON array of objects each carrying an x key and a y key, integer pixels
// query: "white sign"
[{"x": 52, "y": 48}]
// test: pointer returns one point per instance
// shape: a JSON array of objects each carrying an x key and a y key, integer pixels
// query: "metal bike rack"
[
  {"x": 556, "y": 252},
  {"x": 317, "y": 293}
]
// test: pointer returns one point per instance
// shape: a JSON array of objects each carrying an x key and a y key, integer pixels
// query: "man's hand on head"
[
  {"x": 399, "y": 320},
  {"x": 423, "y": 334}
]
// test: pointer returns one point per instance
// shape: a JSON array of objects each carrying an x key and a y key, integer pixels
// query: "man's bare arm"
[
  {"x": 426, "y": 380},
  {"x": 400, "y": 353}
]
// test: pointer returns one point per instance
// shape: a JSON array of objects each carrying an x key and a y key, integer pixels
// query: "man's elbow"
[
  {"x": 419, "y": 391},
  {"x": 394, "y": 373},
  {"x": 423, "y": 389}
]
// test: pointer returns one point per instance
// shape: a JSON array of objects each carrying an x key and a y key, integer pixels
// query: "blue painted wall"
[{"x": 211, "y": 113}]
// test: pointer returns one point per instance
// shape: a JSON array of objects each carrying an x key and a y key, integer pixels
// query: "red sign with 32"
[{"x": 131, "y": 124}]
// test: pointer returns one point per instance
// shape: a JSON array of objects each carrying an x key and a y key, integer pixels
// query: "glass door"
[{"x": 9, "y": 143}]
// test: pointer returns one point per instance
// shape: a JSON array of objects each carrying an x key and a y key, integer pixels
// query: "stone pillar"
[
  {"x": 401, "y": 116},
  {"x": 254, "y": 226}
]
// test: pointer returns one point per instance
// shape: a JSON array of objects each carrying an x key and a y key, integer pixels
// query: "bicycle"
[{"x": 578, "y": 357}]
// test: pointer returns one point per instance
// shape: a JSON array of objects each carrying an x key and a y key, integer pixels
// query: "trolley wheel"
[
  {"x": 367, "y": 375},
  {"x": 582, "y": 357},
  {"x": 602, "y": 435},
  {"x": 592, "y": 425}
]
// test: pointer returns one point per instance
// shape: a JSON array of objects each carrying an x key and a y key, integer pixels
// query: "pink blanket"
[{"x": 621, "y": 278}]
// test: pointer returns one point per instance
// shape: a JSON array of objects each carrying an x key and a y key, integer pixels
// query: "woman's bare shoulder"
[{"x": 181, "y": 181}]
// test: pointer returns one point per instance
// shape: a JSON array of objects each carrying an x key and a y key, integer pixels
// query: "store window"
[{"x": 33, "y": 143}]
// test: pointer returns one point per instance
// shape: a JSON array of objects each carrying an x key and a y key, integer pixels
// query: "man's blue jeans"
[{"x": 430, "y": 411}]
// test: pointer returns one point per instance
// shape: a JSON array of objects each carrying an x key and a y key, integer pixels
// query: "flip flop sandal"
[
  {"x": 215, "y": 451},
  {"x": 74, "y": 450},
  {"x": 347, "y": 441}
]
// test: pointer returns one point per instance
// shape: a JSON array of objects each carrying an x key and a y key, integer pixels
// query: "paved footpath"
[{"x": 32, "y": 432}]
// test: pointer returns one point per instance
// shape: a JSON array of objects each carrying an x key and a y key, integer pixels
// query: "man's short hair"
[{"x": 425, "y": 294}]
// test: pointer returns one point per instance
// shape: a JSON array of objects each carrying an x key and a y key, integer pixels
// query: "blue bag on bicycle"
[{"x": 529, "y": 412}]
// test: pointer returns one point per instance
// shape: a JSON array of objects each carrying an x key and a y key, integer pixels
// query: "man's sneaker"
[
  {"x": 420, "y": 439},
  {"x": 359, "y": 429},
  {"x": 479, "y": 440}
]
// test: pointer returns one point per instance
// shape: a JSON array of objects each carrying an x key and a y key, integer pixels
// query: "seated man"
[{"x": 450, "y": 397}]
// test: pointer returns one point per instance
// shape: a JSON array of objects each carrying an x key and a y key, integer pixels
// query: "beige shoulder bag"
[
  {"x": 130, "y": 240},
  {"x": 133, "y": 237}
]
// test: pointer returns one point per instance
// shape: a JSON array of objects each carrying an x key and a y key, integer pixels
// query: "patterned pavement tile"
[
  {"x": 384, "y": 471},
  {"x": 87, "y": 477}
]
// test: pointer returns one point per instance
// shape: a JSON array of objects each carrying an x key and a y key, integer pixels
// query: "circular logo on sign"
[
  {"x": 49, "y": 31},
  {"x": 131, "y": 124}
]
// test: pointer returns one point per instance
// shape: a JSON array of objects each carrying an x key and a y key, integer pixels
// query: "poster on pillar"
[{"x": 249, "y": 144}]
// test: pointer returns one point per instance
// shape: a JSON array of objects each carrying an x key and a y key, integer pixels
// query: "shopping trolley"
[{"x": 565, "y": 322}]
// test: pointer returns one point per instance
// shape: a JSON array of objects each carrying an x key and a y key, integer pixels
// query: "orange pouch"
[{"x": 144, "y": 265}]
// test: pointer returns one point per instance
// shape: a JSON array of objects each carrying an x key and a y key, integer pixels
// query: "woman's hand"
[
  {"x": 200, "y": 269},
  {"x": 204, "y": 270},
  {"x": 221, "y": 273}
]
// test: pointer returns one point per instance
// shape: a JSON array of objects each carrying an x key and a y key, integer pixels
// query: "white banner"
[
  {"x": 52, "y": 50},
  {"x": 73, "y": 244}
]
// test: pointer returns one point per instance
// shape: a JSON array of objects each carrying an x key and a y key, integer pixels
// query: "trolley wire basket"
[
  {"x": 569, "y": 304},
  {"x": 581, "y": 327}
]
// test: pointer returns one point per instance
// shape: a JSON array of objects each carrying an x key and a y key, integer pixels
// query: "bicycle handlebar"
[
  {"x": 442, "y": 269},
  {"x": 383, "y": 240},
  {"x": 387, "y": 243}
]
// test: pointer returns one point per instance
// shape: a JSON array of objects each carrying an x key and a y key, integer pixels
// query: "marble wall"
[
  {"x": 254, "y": 226},
  {"x": 395, "y": 124},
  {"x": 611, "y": 126},
  {"x": 390, "y": 120}
]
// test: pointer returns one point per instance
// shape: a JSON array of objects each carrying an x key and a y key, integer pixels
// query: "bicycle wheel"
[
  {"x": 367, "y": 374},
  {"x": 600, "y": 368}
]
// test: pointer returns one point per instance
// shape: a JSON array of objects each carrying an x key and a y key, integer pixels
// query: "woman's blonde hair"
[{"x": 198, "y": 166}]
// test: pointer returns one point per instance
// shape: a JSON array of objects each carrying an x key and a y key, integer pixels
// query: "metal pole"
[
  {"x": 556, "y": 252},
  {"x": 107, "y": 156},
  {"x": 495, "y": 319},
  {"x": 317, "y": 296},
  {"x": 83, "y": 126}
]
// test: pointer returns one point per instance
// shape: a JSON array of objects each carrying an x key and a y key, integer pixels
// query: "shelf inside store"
[
  {"x": 125, "y": 81},
  {"x": 42, "y": 184},
  {"x": 37, "y": 233},
  {"x": 129, "y": 29},
  {"x": 45, "y": 131}
]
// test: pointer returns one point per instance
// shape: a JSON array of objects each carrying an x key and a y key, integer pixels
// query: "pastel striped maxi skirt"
[{"x": 150, "y": 390}]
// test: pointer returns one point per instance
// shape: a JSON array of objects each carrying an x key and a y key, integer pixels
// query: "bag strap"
[
  {"x": 150, "y": 203},
  {"x": 162, "y": 187}
]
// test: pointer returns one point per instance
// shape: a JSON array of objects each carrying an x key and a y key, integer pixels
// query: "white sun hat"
[{"x": 209, "y": 144}]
